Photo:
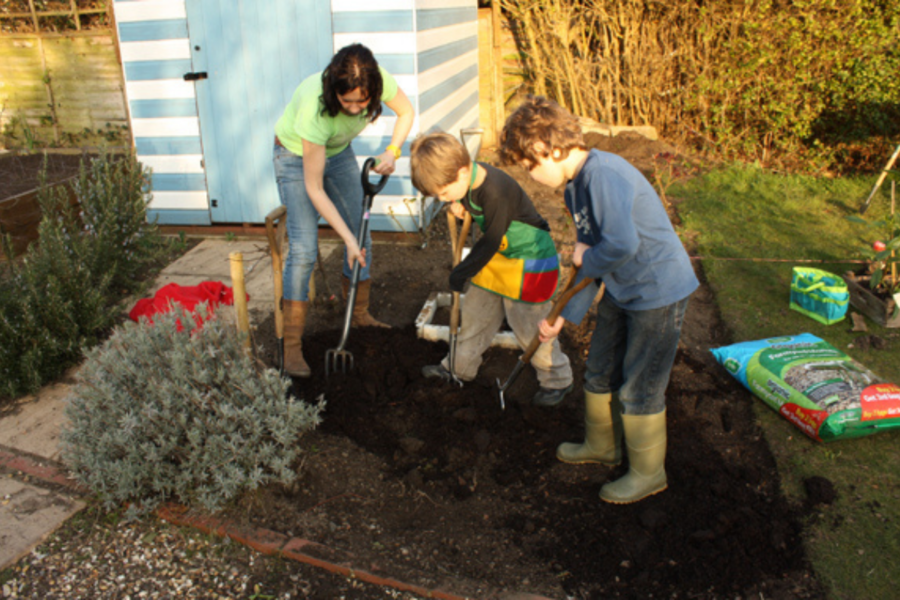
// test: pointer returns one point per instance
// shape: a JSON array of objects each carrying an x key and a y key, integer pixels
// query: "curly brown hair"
[
  {"x": 435, "y": 160},
  {"x": 539, "y": 119},
  {"x": 353, "y": 66}
]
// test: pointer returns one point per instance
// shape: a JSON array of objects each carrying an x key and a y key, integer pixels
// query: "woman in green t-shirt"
[{"x": 318, "y": 175}]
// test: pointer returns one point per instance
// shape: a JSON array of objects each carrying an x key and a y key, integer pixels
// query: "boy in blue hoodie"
[{"x": 625, "y": 240}]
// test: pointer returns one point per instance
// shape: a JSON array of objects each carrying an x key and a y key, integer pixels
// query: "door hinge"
[
  {"x": 195, "y": 76},
  {"x": 215, "y": 203}
]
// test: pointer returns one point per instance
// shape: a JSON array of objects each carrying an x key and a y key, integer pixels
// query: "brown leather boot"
[
  {"x": 294, "y": 322},
  {"x": 361, "y": 316}
]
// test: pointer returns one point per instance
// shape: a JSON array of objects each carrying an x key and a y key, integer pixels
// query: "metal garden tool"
[
  {"x": 568, "y": 292},
  {"x": 471, "y": 131},
  {"x": 457, "y": 247},
  {"x": 275, "y": 231},
  {"x": 338, "y": 359},
  {"x": 884, "y": 173}
]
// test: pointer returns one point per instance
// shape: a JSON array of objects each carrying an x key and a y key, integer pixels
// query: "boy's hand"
[
  {"x": 578, "y": 253},
  {"x": 546, "y": 331},
  {"x": 457, "y": 210}
]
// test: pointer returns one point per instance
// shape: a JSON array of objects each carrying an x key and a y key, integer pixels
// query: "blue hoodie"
[{"x": 634, "y": 248}]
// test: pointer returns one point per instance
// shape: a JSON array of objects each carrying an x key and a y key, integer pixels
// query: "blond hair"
[
  {"x": 539, "y": 120},
  {"x": 435, "y": 161}
]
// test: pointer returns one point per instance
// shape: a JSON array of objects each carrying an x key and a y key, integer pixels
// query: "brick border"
[
  {"x": 262, "y": 540},
  {"x": 43, "y": 469}
]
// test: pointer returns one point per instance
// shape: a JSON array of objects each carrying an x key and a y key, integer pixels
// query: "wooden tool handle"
[
  {"x": 451, "y": 229},
  {"x": 457, "y": 253},
  {"x": 881, "y": 177},
  {"x": 568, "y": 292},
  {"x": 461, "y": 240}
]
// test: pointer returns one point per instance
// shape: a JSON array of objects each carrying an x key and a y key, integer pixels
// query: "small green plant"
[
  {"x": 883, "y": 252},
  {"x": 161, "y": 412},
  {"x": 59, "y": 298}
]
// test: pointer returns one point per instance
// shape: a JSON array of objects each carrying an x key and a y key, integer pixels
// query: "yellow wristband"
[{"x": 397, "y": 152}]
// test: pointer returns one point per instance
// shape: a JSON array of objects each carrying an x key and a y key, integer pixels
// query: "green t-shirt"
[{"x": 303, "y": 118}]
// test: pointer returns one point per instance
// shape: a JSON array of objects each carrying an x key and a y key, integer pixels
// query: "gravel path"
[{"x": 97, "y": 555}]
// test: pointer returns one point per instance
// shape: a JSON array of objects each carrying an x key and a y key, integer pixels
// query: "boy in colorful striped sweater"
[{"x": 513, "y": 268}]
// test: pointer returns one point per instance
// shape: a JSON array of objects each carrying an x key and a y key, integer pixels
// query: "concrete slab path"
[{"x": 28, "y": 514}]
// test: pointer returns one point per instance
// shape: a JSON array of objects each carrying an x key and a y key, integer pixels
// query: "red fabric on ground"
[{"x": 211, "y": 292}]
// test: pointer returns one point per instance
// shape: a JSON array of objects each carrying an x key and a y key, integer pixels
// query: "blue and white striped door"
[{"x": 254, "y": 55}]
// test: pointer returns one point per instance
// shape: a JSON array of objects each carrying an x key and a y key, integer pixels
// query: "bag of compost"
[{"x": 825, "y": 393}]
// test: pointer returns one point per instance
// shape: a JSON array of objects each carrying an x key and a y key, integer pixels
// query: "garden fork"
[{"x": 338, "y": 359}]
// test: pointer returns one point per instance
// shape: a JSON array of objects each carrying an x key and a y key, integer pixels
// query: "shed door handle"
[{"x": 195, "y": 76}]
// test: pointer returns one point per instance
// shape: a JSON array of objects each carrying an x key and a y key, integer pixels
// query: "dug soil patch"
[{"x": 439, "y": 486}]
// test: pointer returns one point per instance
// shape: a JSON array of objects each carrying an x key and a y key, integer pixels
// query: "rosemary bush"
[
  {"x": 163, "y": 414},
  {"x": 58, "y": 299}
]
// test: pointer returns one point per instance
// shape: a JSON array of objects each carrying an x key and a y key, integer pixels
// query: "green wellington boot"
[
  {"x": 602, "y": 433},
  {"x": 645, "y": 439}
]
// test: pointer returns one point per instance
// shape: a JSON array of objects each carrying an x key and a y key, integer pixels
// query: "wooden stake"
[
  {"x": 893, "y": 252},
  {"x": 497, "y": 59},
  {"x": 240, "y": 295}
]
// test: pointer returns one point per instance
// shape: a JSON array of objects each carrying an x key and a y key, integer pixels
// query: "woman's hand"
[
  {"x": 403, "y": 108},
  {"x": 385, "y": 163},
  {"x": 578, "y": 253},
  {"x": 546, "y": 331},
  {"x": 354, "y": 253},
  {"x": 313, "y": 177}
]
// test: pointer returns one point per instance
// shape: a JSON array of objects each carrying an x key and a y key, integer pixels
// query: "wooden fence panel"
[{"x": 81, "y": 74}]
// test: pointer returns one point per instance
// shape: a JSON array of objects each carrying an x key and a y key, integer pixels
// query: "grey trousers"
[{"x": 481, "y": 316}]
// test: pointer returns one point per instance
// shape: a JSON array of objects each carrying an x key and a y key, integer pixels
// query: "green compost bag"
[
  {"x": 825, "y": 393},
  {"x": 819, "y": 294}
]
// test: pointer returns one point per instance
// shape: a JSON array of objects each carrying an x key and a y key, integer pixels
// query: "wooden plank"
[
  {"x": 87, "y": 112},
  {"x": 21, "y": 215},
  {"x": 861, "y": 298}
]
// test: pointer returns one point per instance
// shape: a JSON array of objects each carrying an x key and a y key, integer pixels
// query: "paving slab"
[
  {"x": 28, "y": 514},
  {"x": 32, "y": 423},
  {"x": 210, "y": 261}
]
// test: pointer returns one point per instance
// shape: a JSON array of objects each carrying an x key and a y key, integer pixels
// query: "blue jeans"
[
  {"x": 632, "y": 353},
  {"x": 343, "y": 184}
]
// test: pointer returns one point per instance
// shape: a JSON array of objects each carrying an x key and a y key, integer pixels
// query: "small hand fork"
[{"x": 568, "y": 292}]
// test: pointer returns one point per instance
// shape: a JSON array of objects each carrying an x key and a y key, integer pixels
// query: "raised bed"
[
  {"x": 882, "y": 311},
  {"x": 20, "y": 215}
]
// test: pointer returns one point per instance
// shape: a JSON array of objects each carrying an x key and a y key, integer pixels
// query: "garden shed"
[{"x": 205, "y": 82}]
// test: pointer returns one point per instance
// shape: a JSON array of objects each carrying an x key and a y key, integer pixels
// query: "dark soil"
[
  {"x": 20, "y": 174},
  {"x": 438, "y": 486}
]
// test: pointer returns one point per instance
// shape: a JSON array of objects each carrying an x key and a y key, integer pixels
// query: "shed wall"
[
  {"x": 431, "y": 46},
  {"x": 155, "y": 51}
]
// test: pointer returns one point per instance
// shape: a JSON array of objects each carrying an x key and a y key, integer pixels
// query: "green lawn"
[{"x": 752, "y": 228}]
